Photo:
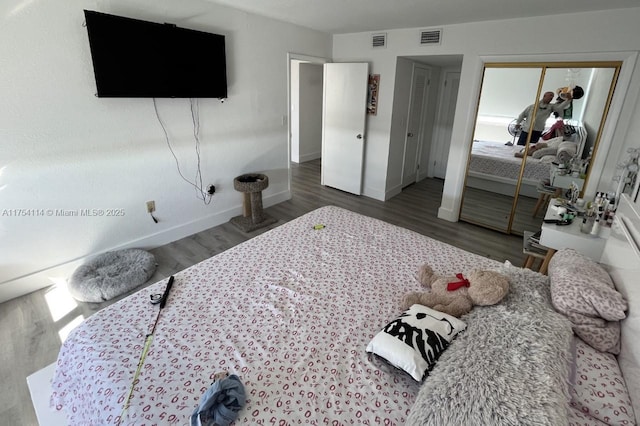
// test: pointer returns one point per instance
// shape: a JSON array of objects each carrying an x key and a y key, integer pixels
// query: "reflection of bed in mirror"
[{"x": 494, "y": 167}]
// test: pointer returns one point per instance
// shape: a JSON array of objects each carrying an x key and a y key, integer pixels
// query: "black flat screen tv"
[{"x": 140, "y": 59}]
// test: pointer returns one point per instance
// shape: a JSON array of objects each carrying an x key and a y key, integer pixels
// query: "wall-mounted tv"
[{"x": 140, "y": 59}]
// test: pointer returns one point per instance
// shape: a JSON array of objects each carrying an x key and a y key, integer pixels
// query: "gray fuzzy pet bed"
[{"x": 111, "y": 274}]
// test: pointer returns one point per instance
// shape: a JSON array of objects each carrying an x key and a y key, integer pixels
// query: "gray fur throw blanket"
[{"x": 509, "y": 367}]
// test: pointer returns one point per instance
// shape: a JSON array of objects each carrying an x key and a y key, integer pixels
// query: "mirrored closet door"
[{"x": 510, "y": 174}]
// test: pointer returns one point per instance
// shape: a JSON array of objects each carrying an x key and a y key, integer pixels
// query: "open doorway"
[
  {"x": 327, "y": 104},
  {"x": 425, "y": 95},
  {"x": 305, "y": 107}
]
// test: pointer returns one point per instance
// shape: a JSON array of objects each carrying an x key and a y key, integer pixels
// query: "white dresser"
[{"x": 569, "y": 236}]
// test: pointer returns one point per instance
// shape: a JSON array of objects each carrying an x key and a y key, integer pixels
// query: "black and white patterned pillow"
[{"x": 414, "y": 341}]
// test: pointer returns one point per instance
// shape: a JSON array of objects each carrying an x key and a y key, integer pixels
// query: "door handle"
[
  {"x": 359, "y": 136},
  {"x": 410, "y": 135}
]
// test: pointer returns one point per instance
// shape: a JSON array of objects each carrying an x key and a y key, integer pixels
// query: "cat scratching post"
[{"x": 253, "y": 216}]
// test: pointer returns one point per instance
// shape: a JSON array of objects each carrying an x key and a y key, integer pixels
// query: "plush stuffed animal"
[{"x": 457, "y": 295}]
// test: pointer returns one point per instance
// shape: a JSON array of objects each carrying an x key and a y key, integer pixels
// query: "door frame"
[{"x": 290, "y": 58}]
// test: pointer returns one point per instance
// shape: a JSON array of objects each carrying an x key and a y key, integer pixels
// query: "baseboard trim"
[
  {"x": 447, "y": 214},
  {"x": 392, "y": 192},
  {"x": 58, "y": 274},
  {"x": 375, "y": 194},
  {"x": 309, "y": 157}
]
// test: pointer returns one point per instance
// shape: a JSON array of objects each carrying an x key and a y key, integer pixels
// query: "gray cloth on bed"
[
  {"x": 509, "y": 367},
  {"x": 220, "y": 404}
]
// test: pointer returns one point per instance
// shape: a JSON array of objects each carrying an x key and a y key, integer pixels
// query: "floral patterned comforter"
[{"x": 290, "y": 312}]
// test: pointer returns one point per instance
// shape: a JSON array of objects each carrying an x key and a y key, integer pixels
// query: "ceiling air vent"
[
  {"x": 430, "y": 36},
  {"x": 379, "y": 40}
]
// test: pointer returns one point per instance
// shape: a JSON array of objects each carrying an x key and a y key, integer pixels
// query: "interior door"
[
  {"x": 419, "y": 92},
  {"x": 343, "y": 125},
  {"x": 444, "y": 124}
]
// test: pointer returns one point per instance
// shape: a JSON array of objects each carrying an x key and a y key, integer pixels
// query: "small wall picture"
[{"x": 372, "y": 98}]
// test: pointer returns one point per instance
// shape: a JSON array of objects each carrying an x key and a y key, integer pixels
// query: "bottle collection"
[{"x": 599, "y": 213}]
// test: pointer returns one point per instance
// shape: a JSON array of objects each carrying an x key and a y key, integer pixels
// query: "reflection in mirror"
[
  {"x": 568, "y": 141},
  {"x": 499, "y": 168},
  {"x": 493, "y": 168}
]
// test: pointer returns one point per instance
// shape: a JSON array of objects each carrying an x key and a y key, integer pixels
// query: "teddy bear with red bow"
[{"x": 457, "y": 295}]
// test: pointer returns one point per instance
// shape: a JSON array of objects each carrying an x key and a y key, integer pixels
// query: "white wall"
[
  {"x": 507, "y": 40},
  {"x": 65, "y": 149}
]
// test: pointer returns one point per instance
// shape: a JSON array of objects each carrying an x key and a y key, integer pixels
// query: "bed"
[
  {"x": 495, "y": 162},
  {"x": 290, "y": 312},
  {"x": 494, "y": 167}
]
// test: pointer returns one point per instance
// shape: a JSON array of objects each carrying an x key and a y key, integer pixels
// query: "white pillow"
[{"x": 414, "y": 341}]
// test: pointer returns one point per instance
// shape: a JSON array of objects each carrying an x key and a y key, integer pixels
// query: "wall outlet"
[{"x": 151, "y": 206}]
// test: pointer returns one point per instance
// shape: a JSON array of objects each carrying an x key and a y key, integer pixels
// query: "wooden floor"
[
  {"x": 493, "y": 211},
  {"x": 31, "y": 326}
]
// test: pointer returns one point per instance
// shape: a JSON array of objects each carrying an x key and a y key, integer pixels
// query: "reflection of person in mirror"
[{"x": 544, "y": 109}]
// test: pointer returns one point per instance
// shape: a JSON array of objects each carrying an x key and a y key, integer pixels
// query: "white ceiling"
[{"x": 349, "y": 16}]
